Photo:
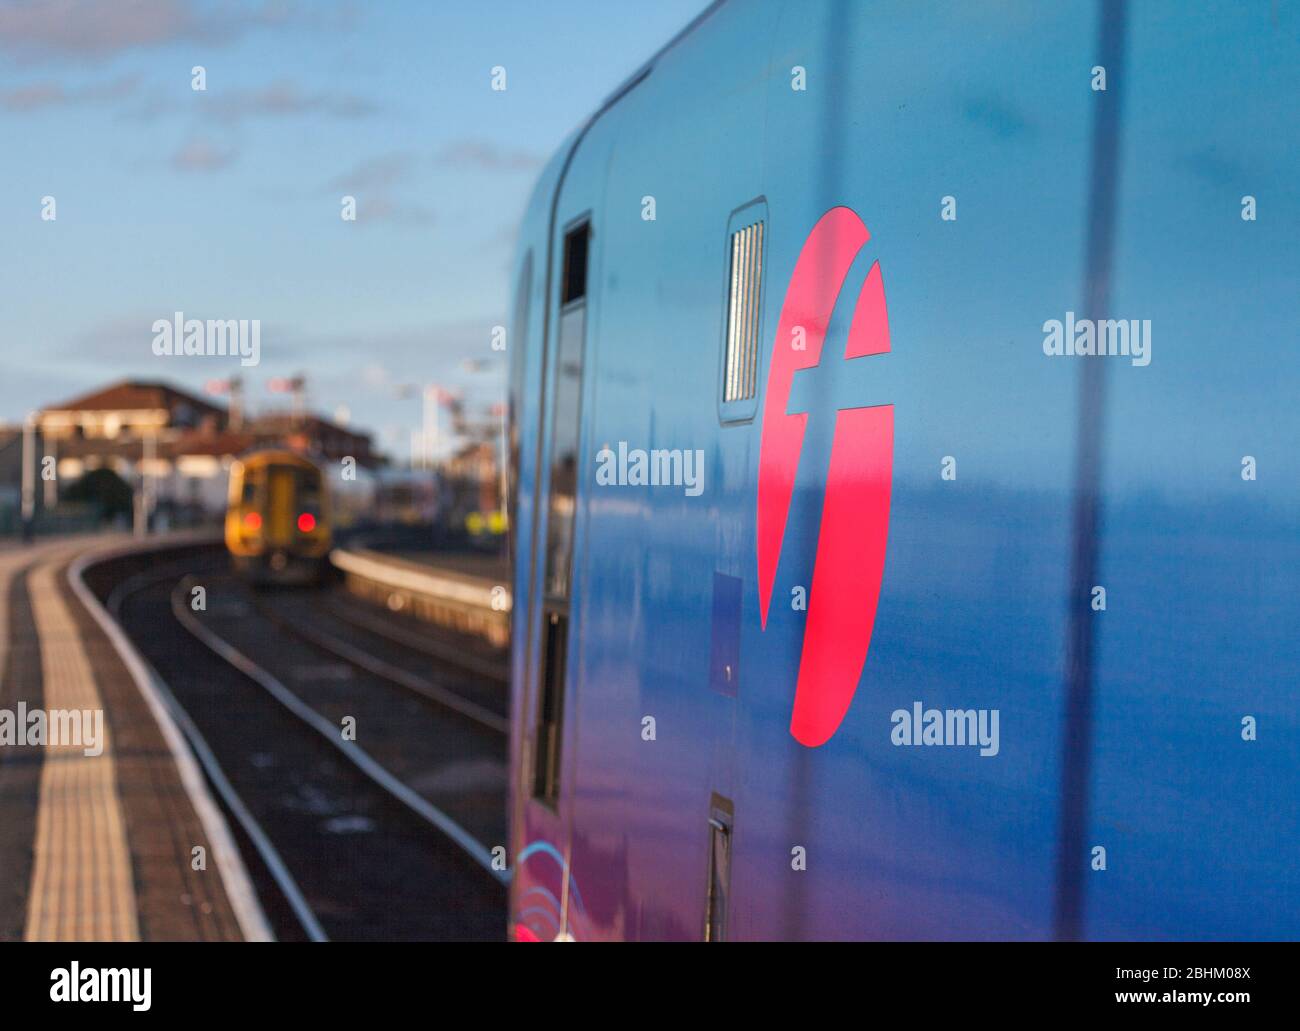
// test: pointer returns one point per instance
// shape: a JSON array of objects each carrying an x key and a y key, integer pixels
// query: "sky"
[{"x": 226, "y": 203}]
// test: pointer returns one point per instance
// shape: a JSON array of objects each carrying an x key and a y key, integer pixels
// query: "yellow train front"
[{"x": 278, "y": 518}]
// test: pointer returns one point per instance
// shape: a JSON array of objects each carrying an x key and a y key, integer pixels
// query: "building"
[
  {"x": 175, "y": 447},
  {"x": 316, "y": 436},
  {"x": 474, "y": 477},
  {"x": 143, "y": 431}
]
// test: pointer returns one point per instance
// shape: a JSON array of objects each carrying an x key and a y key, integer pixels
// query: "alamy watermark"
[
  {"x": 240, "y": 338},
  {"x": 75, "y": 983},
  {"x": 658, "y": 467},
  {"x": 1103, "y": 338},
  {"x": 37, "y": 728},
  {"x": 922, "y": 726}
]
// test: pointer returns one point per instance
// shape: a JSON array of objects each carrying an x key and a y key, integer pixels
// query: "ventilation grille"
[{"x": 740, "y": 382}]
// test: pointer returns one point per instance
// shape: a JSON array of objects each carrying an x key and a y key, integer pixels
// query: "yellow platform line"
[{"x": 82, "y": 887}]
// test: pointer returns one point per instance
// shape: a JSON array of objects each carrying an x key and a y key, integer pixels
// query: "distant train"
[
  {"x": 278, "y": 519},
  {"x": 849, "y": 601}
]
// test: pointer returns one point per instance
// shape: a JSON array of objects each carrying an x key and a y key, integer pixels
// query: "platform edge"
[{"x": 253, "y": 923}]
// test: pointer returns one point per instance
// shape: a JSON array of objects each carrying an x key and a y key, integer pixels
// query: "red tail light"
[
  {"x": 252, "y": 521},
  {"x": 306, "y": 522}
]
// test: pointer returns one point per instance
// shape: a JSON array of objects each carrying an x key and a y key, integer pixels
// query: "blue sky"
[{"x": 226, "y": 203}]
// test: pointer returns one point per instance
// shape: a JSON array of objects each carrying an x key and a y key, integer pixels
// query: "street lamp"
[{"x": 29, "y": 476}]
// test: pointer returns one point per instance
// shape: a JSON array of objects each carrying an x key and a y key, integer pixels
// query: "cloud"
[
  {"x": 119, "y": 341},
  {"x": 378, "y": 173},
  {"x": 33, "y": 97},
  {"x": 38, "y": 30},
  {"x": 228, "y": 107},
  {"x": 485, "y": 156},
  {"x": 388, "y": 356},
  {"x": 202, "y": 155},
  {"x": 24, "y": 387},
  {"x": 386, "y": 209},
  {"x": 123, "y": 343},
  {"x": 283, "y": 99},
  {"x": 36, "y": 96},
  {"x": 89, "y": 28},
  {"x": 373, "y": 182}
]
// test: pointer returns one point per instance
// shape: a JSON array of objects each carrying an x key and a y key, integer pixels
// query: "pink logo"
[{"x": 850, "y": 559}]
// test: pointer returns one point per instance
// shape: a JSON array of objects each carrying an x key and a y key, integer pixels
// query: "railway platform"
[
  {"x": 466, "y": 594},
  {"x": 108, "y": 831}
]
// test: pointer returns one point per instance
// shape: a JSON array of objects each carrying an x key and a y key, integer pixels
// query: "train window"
[
  {"x": 551, "y": 710},
  {"x": 564, "y": 450},
  {"x": 309, "y": 489},
  {"x": 574, "y": 286},
  {"x": 562, "y": 497},
  {"x": 518, "y": 347},
  {"x": 721, "y": 821},
  {"x": 740, "y": 375}
]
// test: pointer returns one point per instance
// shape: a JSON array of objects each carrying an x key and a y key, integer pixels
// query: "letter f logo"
[{"x": 850, "y": 560}]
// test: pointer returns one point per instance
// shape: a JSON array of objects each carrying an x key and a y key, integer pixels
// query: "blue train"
[{"x": 905, "y": 422}]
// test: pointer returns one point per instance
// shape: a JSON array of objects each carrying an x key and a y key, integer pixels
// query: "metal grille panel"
[{"x": 740, "y": 381}]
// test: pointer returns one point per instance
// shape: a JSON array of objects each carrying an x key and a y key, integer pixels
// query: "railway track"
[
  {"x": 343, "y": 709},
  {"x": 373, "y": 808},
  {"x": 450, "y": 693}
]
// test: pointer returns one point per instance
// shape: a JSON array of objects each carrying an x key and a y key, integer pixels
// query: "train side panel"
[
  {"x": 1195, "y": 789},
  {"x": 693, "y": 146},
  {"x": 677, "y": 698}
]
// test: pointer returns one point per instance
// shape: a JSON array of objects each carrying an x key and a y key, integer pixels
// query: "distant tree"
[{"x": 104, "y": 489}]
